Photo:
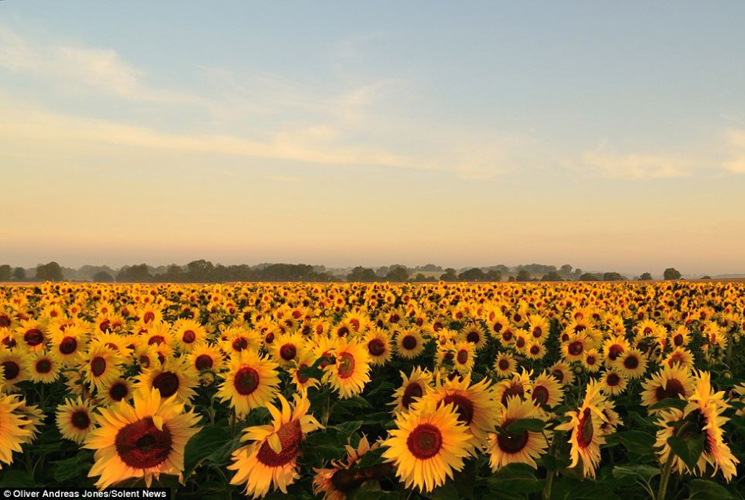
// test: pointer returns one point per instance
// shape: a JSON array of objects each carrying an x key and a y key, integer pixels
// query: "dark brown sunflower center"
[
  {"x": 80, "y": 420},
  {"x": 11, "y": 370},
  {"x": 33, "y": 337},
  {"x": 575, "y": 348},
  {"x": 246, "y": 380},
  {"x": 346, "y": 365},
  {"x": 203, "y": 362},
  {"x": 507, "y": 336},
  {"x": 43, "y": 366},
  {"x": 558, "y": 375},
  {"x": 504, "y": 365},
  {"x": 631, "y": 363},
  {"x": 118, "y": 391},
  {"x": 188, "y": 337},
  {"x": 497, "y": 327},
  {"x": 290, "y": 436},
  {"x": 98, "y": 366},
  {"x": 288, "y": 352},
  {"x": 156, "y": 339},
  {"x": 473, "y": 337},
  {"x": 409, "y": 342},
  {"x": 463, "y": 407},
  {"x": 512, "y": 391},
  {"x": 613, "y": 379},
  {"x": 167, "y": 383},
  {"x": 584, "y": 429},
  {"x": 412, "y": 391},
  {"x": 511, "y": 442},
  {"x": 674, "y": 390},
  {"x": 462, "y": 356},
  {"x": 537, "y": 332},
  {"x": 148, "y": 317},
  {"x": 343, "y": 331},
  {"x": 239, "y": 344},
  {"x": 678, "y": 340},
  {"x": 535, "y": 350},
  {"x": 68, "y": 345},
  {"x": 376, "y": 347},
  {"x": 615, "y": 351},
  {"x": 425, "y": 441},
  {"x": 142, "y": 445},
  {"x": 540, "y": 395}
]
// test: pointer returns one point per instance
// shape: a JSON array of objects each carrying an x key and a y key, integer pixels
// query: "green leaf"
[
  {"x": 17, "y": 479},
  {"x": 203, "y": 444},
  {"x": 689, "y": 449},
  {"x": 637, "y": 442},
  {"x": 347, "y": 428},
  {"x": 669, "y": 403},
  {"x": 522, "y": 485},
  {"x": 72, "y": 468},
  {"x": 708, "y": 490},
  {"x": 646, "y": 472},
  {"x": 447, "y": 491},
  {"x": 526, "y": 424},
  {"x": 371, "y": 491}
]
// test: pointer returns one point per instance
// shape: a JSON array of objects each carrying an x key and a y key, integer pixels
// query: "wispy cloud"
[
  {"x": 605, "y": 161},
  {"x": 736, "y": 142}
]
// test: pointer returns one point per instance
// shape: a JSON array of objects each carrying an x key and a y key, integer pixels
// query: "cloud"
[
  {"x": 606, "y": 162},
  {"x": 736, "y": 143}
]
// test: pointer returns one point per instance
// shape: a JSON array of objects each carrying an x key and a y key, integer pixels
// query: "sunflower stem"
[{"x": 665, "y": 476}]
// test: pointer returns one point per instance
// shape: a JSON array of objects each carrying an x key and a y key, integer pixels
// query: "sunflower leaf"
[
  {"x": 669, "y": 403},
  {"x": 688, "y": 449},
  {"x": 206, "y": 442},
  {"x": 708, "y": 490},
  {"x": 526, "y": 424}
]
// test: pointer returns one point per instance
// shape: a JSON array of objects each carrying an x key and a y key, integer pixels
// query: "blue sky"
[{"x": 604, "y": 135}]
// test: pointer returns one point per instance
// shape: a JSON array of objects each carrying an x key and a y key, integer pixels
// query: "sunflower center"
[
  {"x": 33, "y": 337},
  {"x": 409, "y": 342},
  {"x": 591, "y": 360},
  {"x": 511, "y": 442},
  {"x": 575, "y": 348},
  {"x": 167, "y": 383},
  {"x": 473, "y": 337},
  {"x": 613, "y": 379},
  {"x": 678, "y": 340},
  {"x": 346, "y": 365},
  {"x": 673, "y": 390},
  {"x": 98, "y": 366},
  {"x": 462, "y": 356},
  {"x": 43, "y": 366},
  {"x": 584, "y": 429},
  {"x": 504, "y": 365},
  {"x": 615, "y": 351},
  {"x": 11, "y": 370},
  {"x": 189, "y": 336},
  {"x": 141, "y": 444},
  {"x": 288, "y": 352},
  {"x": 118, "y": 391},
  {"x": 246, "y": 380},
  {"x": 535, "y": 350},
  {"x": 9, "y": 342},
  {"x": 512, "y": 391},
  {"x": 497, "y": 327},
  {"x": 540, "y": 395},
  {"x": 537, "y": 332},
  {"x": 343, "y": 331},
  {"x": 425, "y": 441},
  {"x": 376, "y": 347},
  {"x": 156, "y": 339},
  {"x": 68, "y": 345},
  {"x": 203, "y": 362},
  {"x": 148, "y": 317},
  {"x": 463, "y": 406},
  {"x": 80, "y": 420},
  {"x": 558, "y": 375},
  {"x": 300, "y": 377},
  {"x": 507, "y": 336},
  {"x": 631, "y": 362},
  {"x": 520, "y": 342},
  {"x": 290, "y": 436},
  {"x": 412, "y": 391},
  {"x": 239, "y": 344}
]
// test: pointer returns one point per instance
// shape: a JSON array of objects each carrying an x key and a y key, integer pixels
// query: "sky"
[{"x": 610, "y": 136}]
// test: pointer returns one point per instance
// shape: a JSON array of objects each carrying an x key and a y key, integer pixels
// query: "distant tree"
[
  {"x": 552, "y": 276},
  {"x": 174, "y": 274},
  {"x": 103, "y": 277},
  {"x": 612, "y": 276},
  {"x": 134, "y": 274},
  {"x": 431, "y": 268},
  {"x": 473, "y": 274},
  {"x": 397, "y": 273},
  {"x": 577, "y": 273},
  {"x": 511, "y": 278},
  {"x": 565, "y": 270},
  {"x": 523, "y": 275},
  {"x": 49, "y": 272},
  {"x": 362, "y": 275},
  {"x": 671, "y": 274},
  {"x": 588, "y": 277},
  {"x": 705, "y": 277},
  {"x": 19, "y": 274},
  {"x": 200, "y": 271},
  {"x": 645, "y": 277},
  {"x": 5, "y": 272},
  {"x": 493, "y": 275},
  {"x": 450, "y": 275},
  {"x": 422, "y": 277}
]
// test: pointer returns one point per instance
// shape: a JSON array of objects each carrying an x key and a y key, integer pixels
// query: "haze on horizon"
[{"x": 606, "y": 136}]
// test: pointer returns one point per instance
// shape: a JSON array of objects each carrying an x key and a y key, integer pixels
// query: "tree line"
[{"x": 204, "y": 271}]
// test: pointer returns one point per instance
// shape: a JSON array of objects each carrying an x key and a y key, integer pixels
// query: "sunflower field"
[{"x": 376, "y": 391}]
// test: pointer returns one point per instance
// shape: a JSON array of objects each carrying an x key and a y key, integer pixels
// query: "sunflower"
[
  {"x": 333, "y": 483},
  {"x": 546, "y": 391},
  {"x": 505, "y": 365},
  {"x": 75, "y": 419},
  {"x": 535, "y": 350},
  {"x": 286, "y": 347},
  {"x": 680, "y": 356},
  {"x": 591, "y": 360},
  {"x": 520, "y": 447},
  {"x": 409, "y": 344},
  {"x": 119, "y": 389},
  {"x": 67, "y": 344},
  {"x": 32, "y": 418},
  {"x": 349, "y": 374},
  {"x": 251, "y": 382},
  {"x": 475, "y": 404},
  {"x": 585, "y": 431},
  {"x": 680, "y": 336},
  {"x": 42, "y": 367},
  {"x": 378, "y": 344},
  {"x": 270, "y": 457},
  {"x": 614, "y": 347},
  {"x": 474, "y": 334},
  {"x": 427, "y": 445},
  {"x": 33, "y": 334},
  {"x": 670, "y": 382},
  {"x": 413, "y": 387},
  {"x": 142, "y": 440},
  {"x": 203, "y": 356},
  {"x": 174, "y": 377},
  {"x": 519, "y": 385},
  {"x": 632, "y": 363},
  {"x": 574, "y": 348},
  {"x": 302, "y": 381},
  {"x": 15, "y": 432},
  {"x": 14, "y": 370},
  {"x": 538, "y": 328},
  {"x": 236, "y": 339},
  {"x": 188, "y": 333},
  {"x": 613, "y": 382},
  {"x": 101, "y": 365},
  {"x": 464, "y": 357}
]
